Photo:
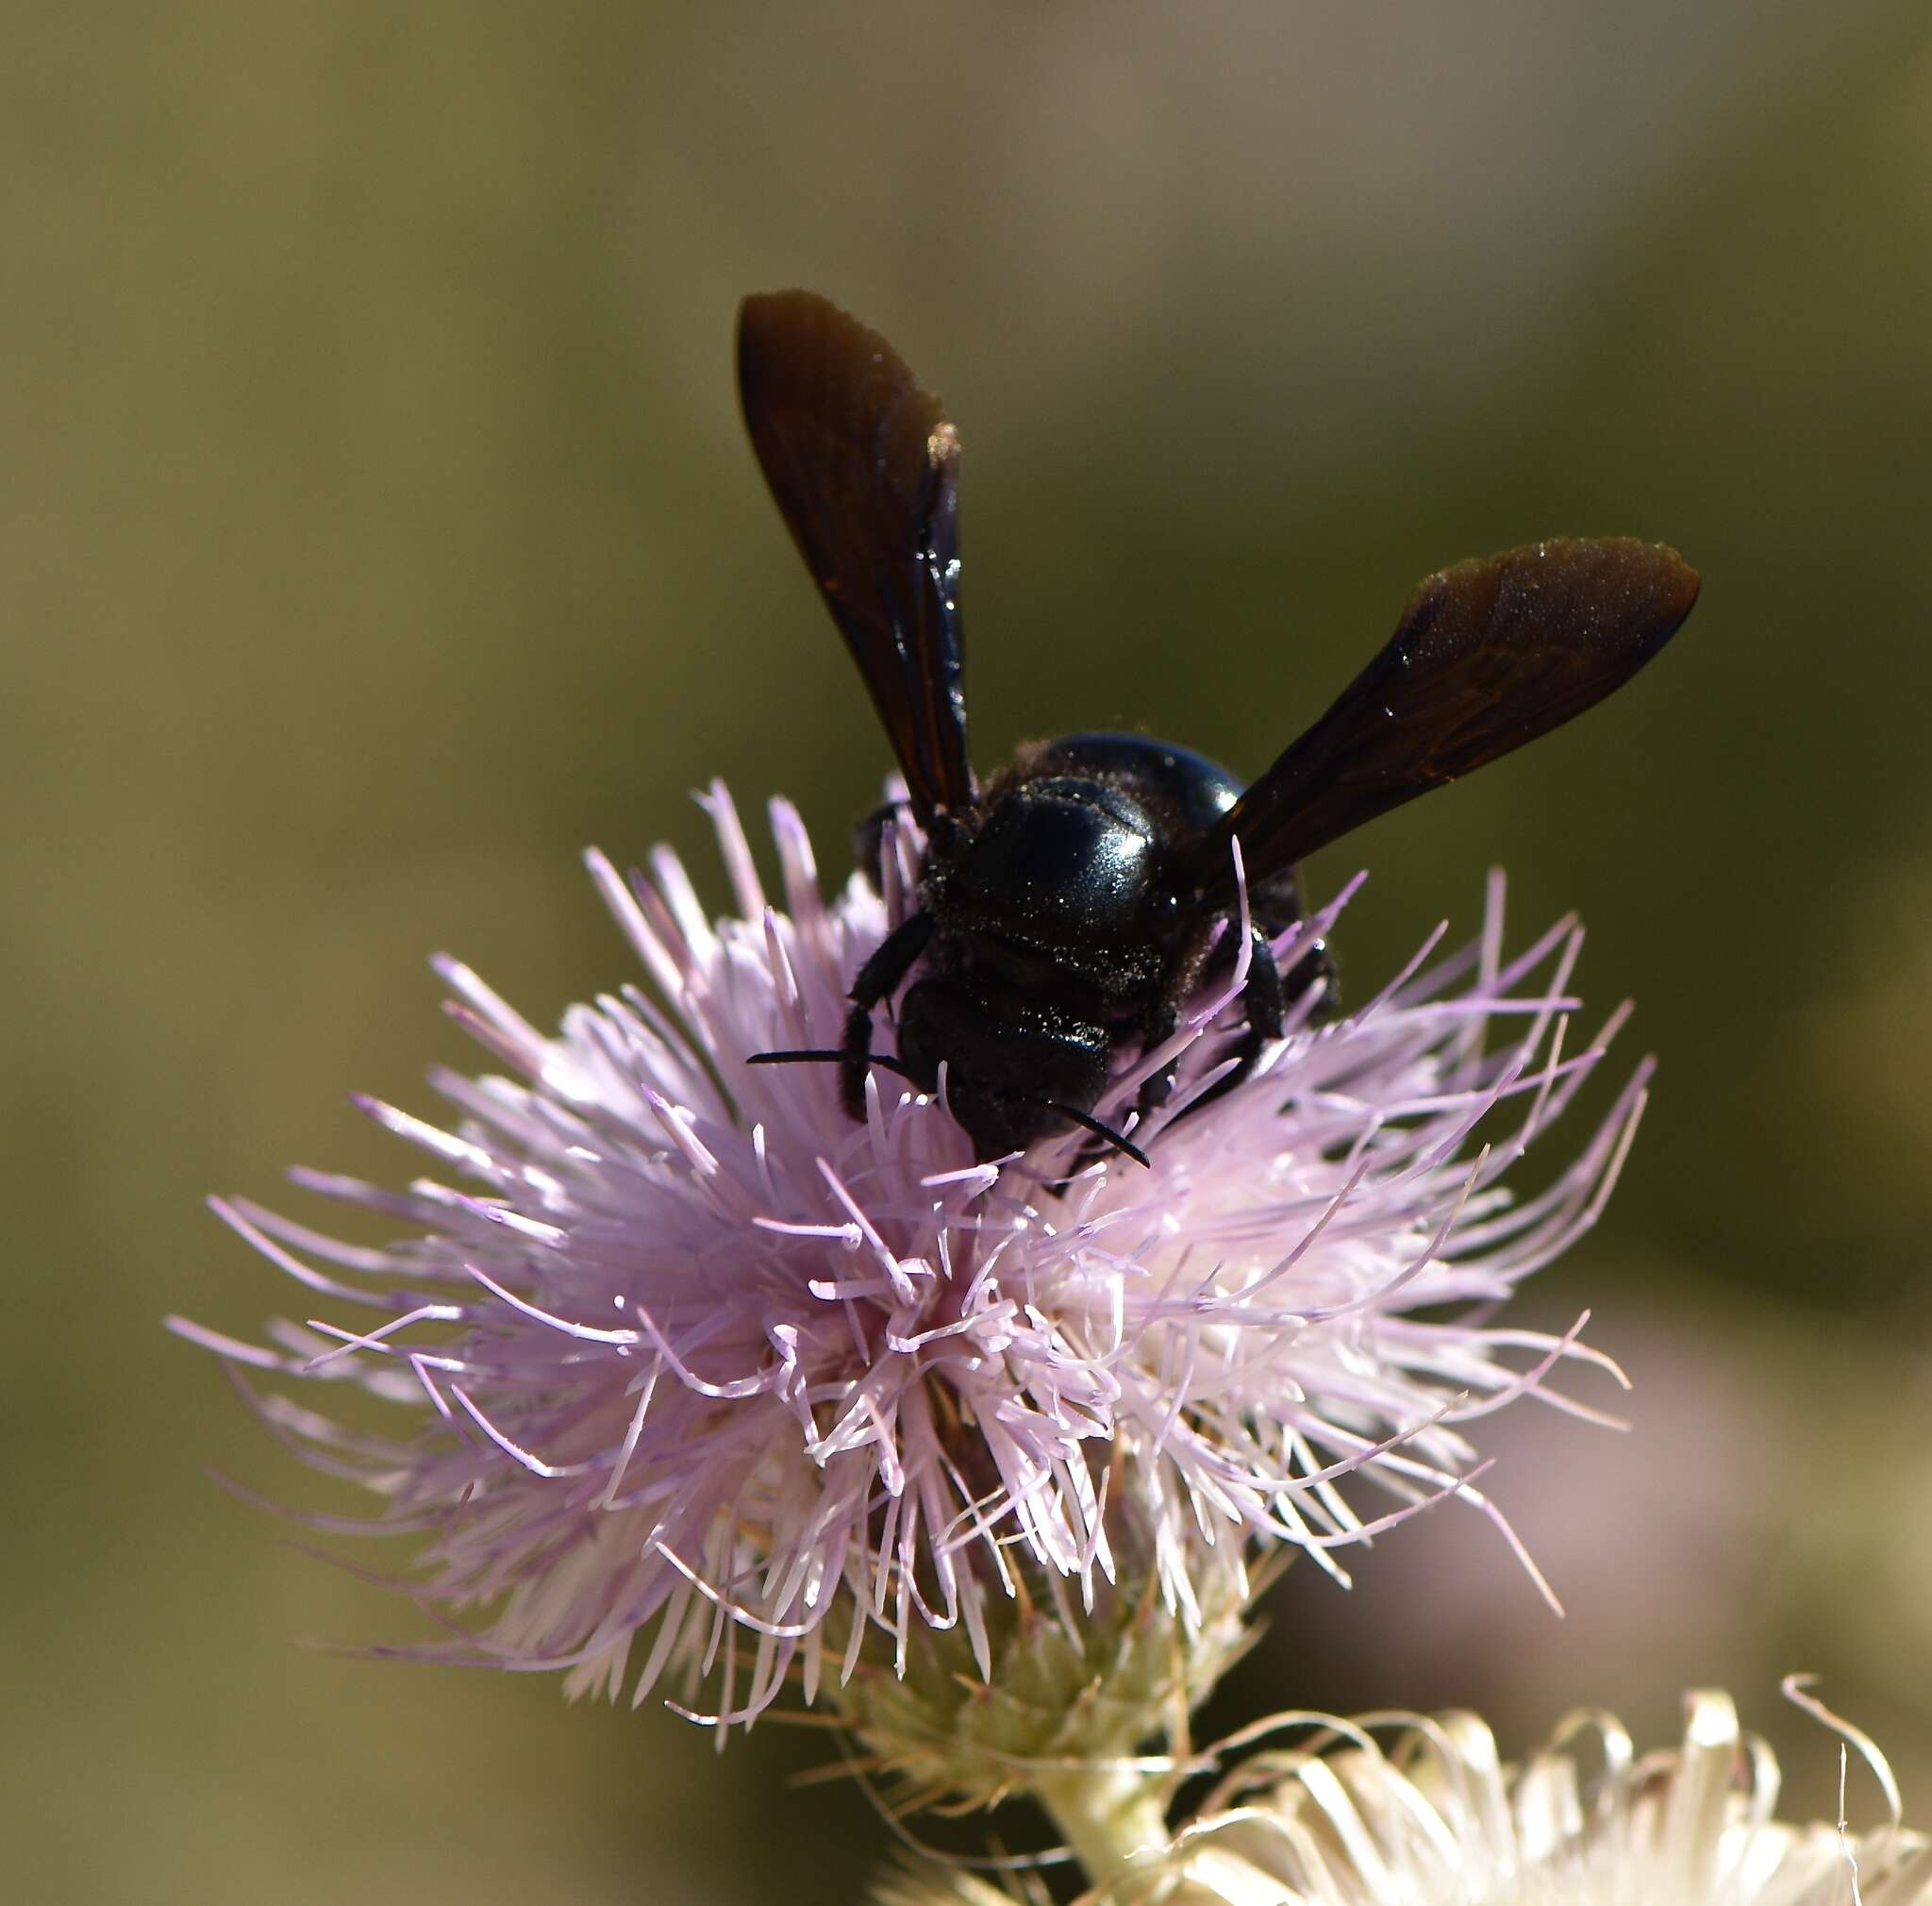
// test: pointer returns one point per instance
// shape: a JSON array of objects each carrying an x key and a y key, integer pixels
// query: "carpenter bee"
[{"x": 1070, "y": 906}]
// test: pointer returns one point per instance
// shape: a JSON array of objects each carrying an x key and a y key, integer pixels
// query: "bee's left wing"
[{"x": 1488, "y": 655}]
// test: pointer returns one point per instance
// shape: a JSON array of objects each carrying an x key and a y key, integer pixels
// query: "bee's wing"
[
  {"x": 1488, "y": 655},
  {"x": 865, "y": 471}
]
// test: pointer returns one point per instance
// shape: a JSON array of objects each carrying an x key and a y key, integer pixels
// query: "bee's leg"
[
  {"x": 1157, "y": 1086},
  {"x": 869, "y": 841},
  {"x": 1265, "y": 1003},
  {"x": 1161, "y": 1026},
  {"x": 1315, "y": 967},
  {"x": 1278, "y": 907},
  {"x": 1262, "y": 998},
  {"x": 1163, "y": 1022},
  {"x": 877, "y": 981}
]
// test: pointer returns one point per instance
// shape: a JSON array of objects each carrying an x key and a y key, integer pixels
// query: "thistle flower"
[
  {"x": 695, "y": 1368},
  {"x": 1336, "y": 1819}
]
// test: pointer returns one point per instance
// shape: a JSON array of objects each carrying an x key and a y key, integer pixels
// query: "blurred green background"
[{"x": 378, "y": 531}]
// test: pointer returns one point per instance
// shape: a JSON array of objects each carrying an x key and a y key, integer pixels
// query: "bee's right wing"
[
  {"x": 865, "y": 471},
  {"x": 1488, "y": 655}
]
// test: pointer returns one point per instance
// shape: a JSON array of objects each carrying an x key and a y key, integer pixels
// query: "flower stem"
[{"x": 1107, "y": 1816}]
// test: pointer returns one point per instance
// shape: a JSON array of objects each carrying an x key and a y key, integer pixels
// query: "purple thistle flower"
[{"x": 697, "y": 1368}]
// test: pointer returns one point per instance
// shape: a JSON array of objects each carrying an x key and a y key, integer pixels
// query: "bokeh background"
[{"x": 377, "y": 531}]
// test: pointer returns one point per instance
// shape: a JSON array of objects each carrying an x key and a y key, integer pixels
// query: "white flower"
[{"x": 1435, "y": 1819}]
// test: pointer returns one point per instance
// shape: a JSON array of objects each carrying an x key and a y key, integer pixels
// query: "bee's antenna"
[
  {"x": 1088, "y": 1122},
  {"x": 832, "y": 1055}
]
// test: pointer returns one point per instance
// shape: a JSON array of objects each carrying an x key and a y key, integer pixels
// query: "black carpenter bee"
[{"x": 1070, "y": 906}]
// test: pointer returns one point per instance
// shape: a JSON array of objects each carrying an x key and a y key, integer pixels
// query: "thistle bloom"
[
  {"x": 1435, "y": 1819},
  {"x": 699, "y": 1375}
]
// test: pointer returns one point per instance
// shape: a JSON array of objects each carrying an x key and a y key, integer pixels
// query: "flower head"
[
  {"x": 688, "y": 1358},
  {"x": 1334, "y": 1818}
]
